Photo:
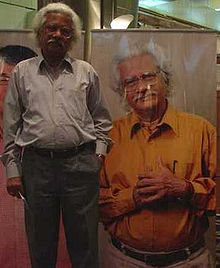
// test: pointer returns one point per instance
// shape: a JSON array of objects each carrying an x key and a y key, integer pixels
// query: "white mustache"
[
  {"x": 144, "y": 95},
  {"x": 54, "y": 41}
]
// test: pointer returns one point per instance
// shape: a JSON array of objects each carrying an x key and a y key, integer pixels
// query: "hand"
[
  {"x": 14, "y": 186},
  {"x": 156, "y": 185}
]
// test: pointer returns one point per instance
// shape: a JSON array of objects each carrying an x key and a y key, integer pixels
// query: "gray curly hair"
[
  {"x": 162, "y": 63},
  {"x": 40, "y": 19}
]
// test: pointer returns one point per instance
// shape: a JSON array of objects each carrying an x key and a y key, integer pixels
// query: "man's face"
[
  {"x": 143, "y": 83},
  {"x": 56, "y": 35},
  {"x": 5, "y": 72}
]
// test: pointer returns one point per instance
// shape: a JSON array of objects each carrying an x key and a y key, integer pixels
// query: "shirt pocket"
[
  {"x": 70, "y": 105},
  {"x": 79, "y": 107}
]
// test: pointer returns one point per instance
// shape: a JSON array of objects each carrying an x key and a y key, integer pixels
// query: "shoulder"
[
  {"x": 26, "y": 66},
  {"x": 195, "y": 122},
  {"x": 28, "y": 62},
  {"x": 122, "y": 127},
  {"x": 123, "y": 121},
  {"x": 81, "y": 64}
]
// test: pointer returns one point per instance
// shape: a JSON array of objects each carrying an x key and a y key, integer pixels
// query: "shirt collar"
[
  {"x": 169, "y": 120},
  {"x": 67, "y": 61}
]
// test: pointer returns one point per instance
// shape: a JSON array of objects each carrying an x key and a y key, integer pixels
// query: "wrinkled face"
[
  {"x": 143, "y": 83},
  {"x": 56, "y": 35},
  {"x": 5, "y": 72}
]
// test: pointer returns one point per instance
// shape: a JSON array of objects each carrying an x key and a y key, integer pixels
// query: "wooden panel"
[
  {"x": 218, "y": 133},
  {"x": 218, "y": 154}
]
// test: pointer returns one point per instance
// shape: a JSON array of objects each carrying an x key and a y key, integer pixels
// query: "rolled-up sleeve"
[
  {"x": 114, "y": 203},
  {"x": 204, "y": 198}
]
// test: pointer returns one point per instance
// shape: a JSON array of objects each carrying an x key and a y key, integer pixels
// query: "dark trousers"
[{"x": 67, "y": 186}]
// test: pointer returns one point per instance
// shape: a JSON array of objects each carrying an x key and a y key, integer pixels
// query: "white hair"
[
  {"x": 2, "y": 61},
  {"x": 40, "y": 19},
  {"x": 127, "y": 52}
]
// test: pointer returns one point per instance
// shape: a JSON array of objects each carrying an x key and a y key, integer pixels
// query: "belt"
[
  {"x": 62, "y": 153},
  {"x": 159, "y": 259}
]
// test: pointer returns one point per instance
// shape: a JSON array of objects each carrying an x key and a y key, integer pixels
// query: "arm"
[
  {"x": 12, "y": 124},
  {"x": 159, "y": 184},
  {"x": 116, "y": 190},
  {"x": 115, "y": 200},
  {"x": 99, "y": 113},
  {"x": 198, "y": 192},
  {"x": 204, "y": 186}
]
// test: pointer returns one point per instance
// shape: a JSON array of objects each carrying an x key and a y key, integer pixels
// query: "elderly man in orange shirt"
[{"x": 157, "y": 184}]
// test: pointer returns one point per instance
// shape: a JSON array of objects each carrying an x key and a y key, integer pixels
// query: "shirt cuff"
[
  {"x": 101, "y": 148},
  {"x": 13, "y": 171},
  {"x": 203, "y": 199}
]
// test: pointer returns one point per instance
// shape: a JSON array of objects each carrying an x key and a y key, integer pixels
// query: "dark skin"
[
  {"x": 160, "y": 183},
  {"x": 13, "y": 184},
  {"x": 54, "y": 46},
  {"x": 14, "y": 187}
]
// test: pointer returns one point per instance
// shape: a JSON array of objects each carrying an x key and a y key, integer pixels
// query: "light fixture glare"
[
  {"x": 151, "y": 3},
  {"x": 122, "y": 22}
]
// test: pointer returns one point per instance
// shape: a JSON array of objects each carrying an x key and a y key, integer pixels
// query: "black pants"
[{"x": 70, "y": 186}]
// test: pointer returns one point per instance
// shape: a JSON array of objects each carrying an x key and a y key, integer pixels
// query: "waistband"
[
  {"x": 157, "y": 258},
  {"x": 61, "y": 153}
]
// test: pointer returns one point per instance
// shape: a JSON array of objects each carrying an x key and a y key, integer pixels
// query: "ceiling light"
[
  {"x": 122, "y": 22},
  {"x": 152, "y": 3},
  {"x": 214, "y": 4}
]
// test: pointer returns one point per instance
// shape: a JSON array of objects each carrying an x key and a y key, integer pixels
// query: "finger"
[
  {"x": 142, "y": 183},
  {"x": 150, "y": 181},
  {"x": 10, "y": 190},
  {"x": 141, "y": 176},
  {"x": 14, "y": 191},
  {"x": 148, "y": 190},
  {"x": 18, "y": 195},
  {"x": 152, "y": 198},
  {"x": 21, "y": 190},
  {"x": 11, "y": 193}
]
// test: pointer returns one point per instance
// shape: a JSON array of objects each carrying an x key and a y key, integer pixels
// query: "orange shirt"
[{"x": 186, "y": 143}]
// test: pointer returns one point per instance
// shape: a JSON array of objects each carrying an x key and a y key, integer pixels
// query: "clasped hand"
[{"x": 155, "y": 185}]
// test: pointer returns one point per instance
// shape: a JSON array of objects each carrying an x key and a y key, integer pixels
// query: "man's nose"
[
  {"x": 57, "y": 33},
  {"x": 143, "y": 85}
]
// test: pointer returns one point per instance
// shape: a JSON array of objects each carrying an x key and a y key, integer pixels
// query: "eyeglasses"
[
  {"x": 53, "y": 28},
  {"x": 4, "y": 79},
  {"x": 130, "y": 84}
]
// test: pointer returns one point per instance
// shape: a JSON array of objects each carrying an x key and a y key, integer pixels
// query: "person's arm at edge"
[
  {"x": 100, "y": 114},
  {"x": 203, "y": 198},
  {"x": 11, "y": 124}
]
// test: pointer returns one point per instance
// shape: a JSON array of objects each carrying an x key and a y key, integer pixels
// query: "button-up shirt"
[
  {"x": 49, "y": 112},
  {"x": 186, "y": 144}
]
